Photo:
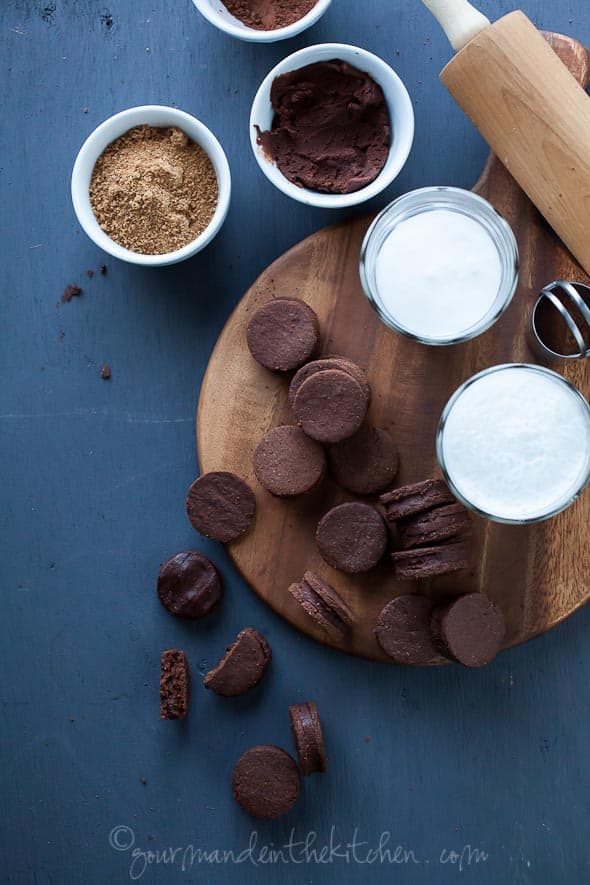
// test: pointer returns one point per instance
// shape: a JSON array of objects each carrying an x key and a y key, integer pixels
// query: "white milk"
[
  {"x": 516, "y": 443},
  {"x": 438, "y": 273}
]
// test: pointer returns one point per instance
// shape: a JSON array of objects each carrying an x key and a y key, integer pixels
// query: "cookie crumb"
[
  {"x": 105, "y": 372},
  {"x": 89, "y": 274},
  {"x": 367, "y": 740},
  {"x": 143, "y": 780},
  {"x": 69, "y": 293},
  {"x": 103, "y": 269}
]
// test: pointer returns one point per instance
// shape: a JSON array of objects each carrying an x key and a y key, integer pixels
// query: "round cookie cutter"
[{"x": 564, "y": 297}]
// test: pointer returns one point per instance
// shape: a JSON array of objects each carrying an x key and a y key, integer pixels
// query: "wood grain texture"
[
  {"x": 537, "y": 574},
  {"x": 536, "y": 118}
]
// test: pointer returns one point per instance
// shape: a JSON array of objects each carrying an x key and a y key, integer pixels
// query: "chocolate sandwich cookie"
[
  {"x": 243, "y": 665},
  {"x": 339, "y": 363},
  {"x": 306, "y": 729},
  {"x": 470, "y": 630},
  {"x": 283, "y": 334},
  {"x": 403, "y": 630},
  {"x": 287, "y": 462},
  {"x": 221, "y": 506},
  {"x": 174, "y": 684},
  {"x": 266, "y": 782},
  {"x": 352, "y": 537},
  {"x": 434, "y": 526},
  {"x": 189, "y": 585},
  {"x": 430, "y": 562},
  {"x": 324, "y": 605},
  {"x": 365, "y": 463},
  {"x": 416, "y": 498},
  {"x": 330, "y": 406}
]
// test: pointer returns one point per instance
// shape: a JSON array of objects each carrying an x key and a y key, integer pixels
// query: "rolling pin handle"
[{"x": 459, "y": 20}]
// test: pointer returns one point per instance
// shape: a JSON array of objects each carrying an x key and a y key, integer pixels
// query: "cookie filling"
[{"x": 331, "y": 130}]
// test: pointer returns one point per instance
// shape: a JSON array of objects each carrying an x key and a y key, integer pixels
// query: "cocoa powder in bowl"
[
  {"x": 154, "y": 190},
  {"x": 268, "y": 15}
]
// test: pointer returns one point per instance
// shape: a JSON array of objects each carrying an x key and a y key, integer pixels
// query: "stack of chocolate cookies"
[
  {"x": 433, "y": 530},
  {"x": 330, "y": 398}
]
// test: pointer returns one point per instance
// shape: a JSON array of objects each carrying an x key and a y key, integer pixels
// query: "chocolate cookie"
[
  {"x": 352, "y": 537},
  {"x": 324, "y": 605},
  {"x": 189, "y": 585},
  {"x": 283, "y": 334},
  {"x": 434, "y": 526},
  {"x": 306, "y": 729},
  {"x": 174, "y": 684},
  {"x": 403, "y": 630},
  {"x": 330, "y": 406},
  {"x": 430, "y": 562},
  {"x": 339, "y": 363},
  {"x": 288, "y": 463},
  {"x": 470, "y": 630},
  {"x": 416, "y": 498},
  {"x": 242, "y": 666},
  {"x": 266, "y": 782},
  {"x": 220, "y": 506},
  {"x": 366, "y": 463}
]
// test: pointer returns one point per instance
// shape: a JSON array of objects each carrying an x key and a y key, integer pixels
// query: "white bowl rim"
[
  {"x": 400, "y": 147},
  {"x": 119, "y": 123},
  {"x": 253, "y": 35}
]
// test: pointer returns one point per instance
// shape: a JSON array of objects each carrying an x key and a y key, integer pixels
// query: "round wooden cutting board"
[{"x": 538, "y": 574}]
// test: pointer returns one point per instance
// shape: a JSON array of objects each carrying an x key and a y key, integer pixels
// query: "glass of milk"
[
  {"x": 514, "y": 443},
  {"x": 439, "y": 265}
]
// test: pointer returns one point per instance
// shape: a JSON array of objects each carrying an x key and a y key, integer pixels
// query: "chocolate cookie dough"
[
  {"x": 416, "y": 498},
  {"x": 266, "y": 782},
  {"x": 283, "y": 334},
  {"x": 331, "y": 130},
  {"x": 324, "y": 605},
  {"x": 306, "y": 729},
  {"x": 470, "y": 630},
  {"x": 403, "y": 630},
  {"x": 352, "y": 537},
  {"x": 365, "y": 463},
  {"x": 174, "y": 684},
  {"x": 330, "y": 406},
  {"x": 287, "y": 462},
  {"x": 220, "y": 506},
  {"x": 243, "y": 665},
  {"x": 340, "y": 363},
  {"x": 430, "y": 562},
  {"x": 189, "y": 585},
  {"x": 434, "y": 526}
]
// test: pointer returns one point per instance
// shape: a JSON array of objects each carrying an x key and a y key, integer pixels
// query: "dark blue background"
[{"x": 94, "y": 479}]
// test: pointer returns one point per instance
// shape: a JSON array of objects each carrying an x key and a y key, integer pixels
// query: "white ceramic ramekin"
[
  {"x": 400, "y": 111},
  {"x": 113, "y": 128},
  {"x": 216, "y": 13}
]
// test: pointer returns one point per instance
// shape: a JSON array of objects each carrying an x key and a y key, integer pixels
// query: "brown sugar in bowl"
[{"x": 110, "y": 130}]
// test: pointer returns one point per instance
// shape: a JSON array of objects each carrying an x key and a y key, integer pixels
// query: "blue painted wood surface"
[{"x": 93, "y": 484}]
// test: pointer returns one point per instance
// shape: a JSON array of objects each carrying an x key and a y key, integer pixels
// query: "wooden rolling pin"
[{"x": 530, "y": 110}]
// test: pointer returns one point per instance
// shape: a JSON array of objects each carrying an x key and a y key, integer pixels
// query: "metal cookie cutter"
[{"x": 569, "y": 304}]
